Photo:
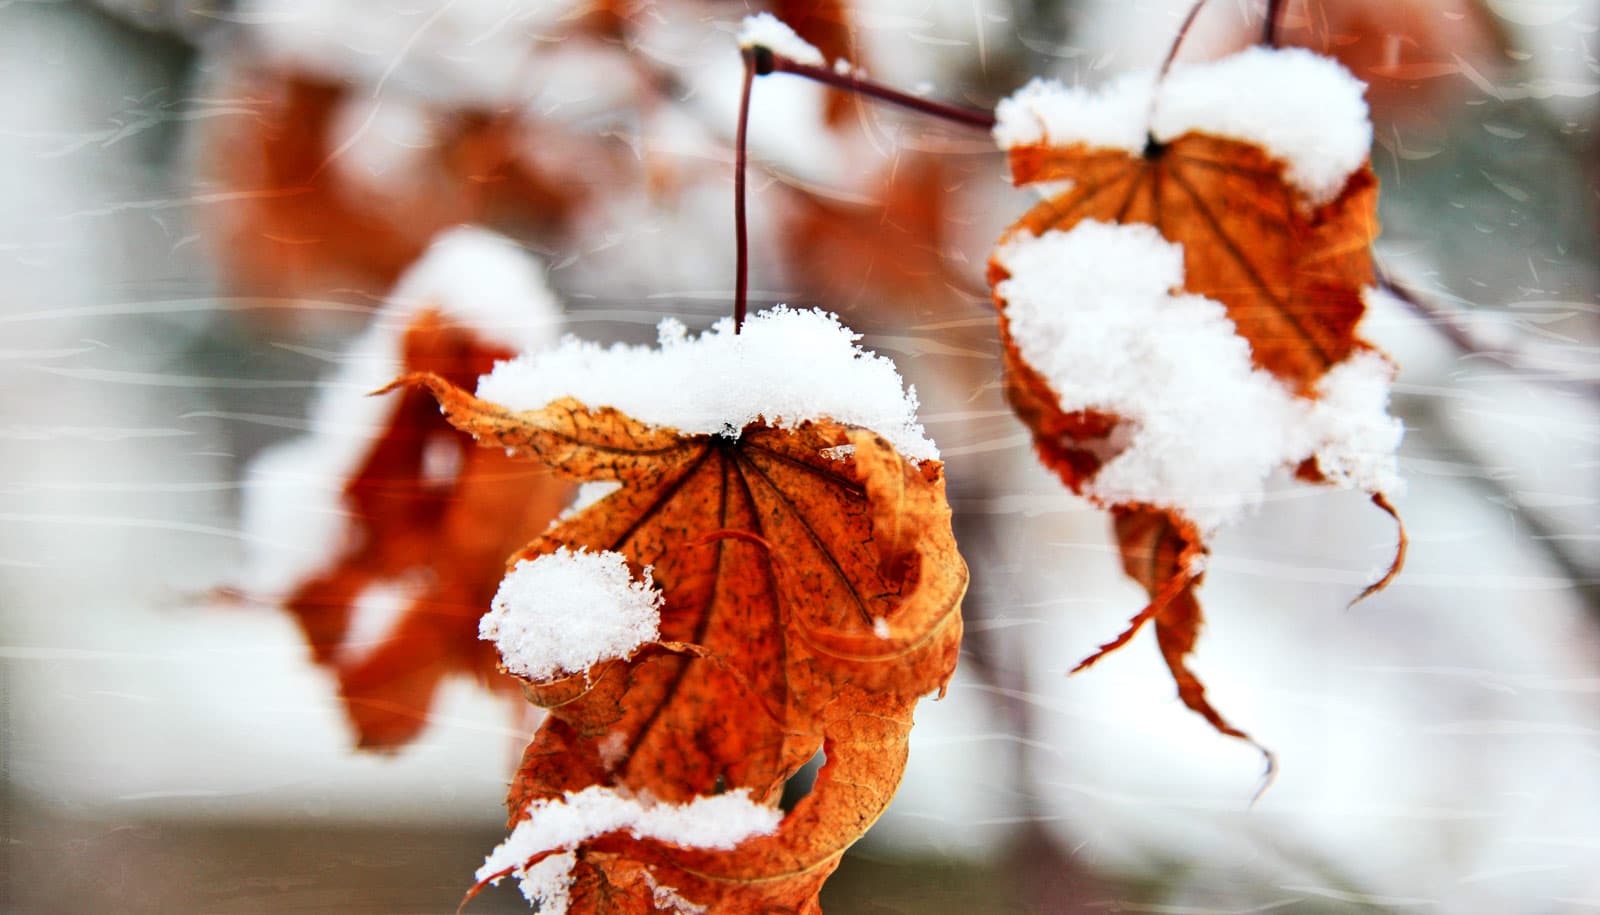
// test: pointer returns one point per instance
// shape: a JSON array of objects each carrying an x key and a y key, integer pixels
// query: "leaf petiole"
[{"x": 767, "y": 61}]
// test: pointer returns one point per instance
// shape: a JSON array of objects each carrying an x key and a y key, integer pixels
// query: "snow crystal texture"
[
  {"x": 722, "y": 822},
  {"x": 1305, "y": 110},
  {"x": 787, "y": 367},
  {"x": 1092, "y": 310},
  {"x": 563, "y": 612}
]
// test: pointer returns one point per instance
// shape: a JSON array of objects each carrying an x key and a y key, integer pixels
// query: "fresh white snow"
[
  {"x": 720, "y": 821},
  {"x": 563, "y": 612},
  {"x": 1093, "y": 310},
  {"x": 1305, "y": 110},
  {"x": 787, "y": 367},
  {"x": 768, "y": 31}
]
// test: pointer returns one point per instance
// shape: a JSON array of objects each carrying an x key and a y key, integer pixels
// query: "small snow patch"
[
  {"x": 765, "y": 30},
  {"x": 785, "y": 368},
  {"x": 563, "y": 612},
  {"x": 721, "y": 822}
]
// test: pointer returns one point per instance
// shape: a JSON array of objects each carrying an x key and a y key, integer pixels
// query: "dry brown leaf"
[
  {"x": 443, "y": 539},
  {"x": 1291, "y": 279},
  {"x": 817, "y": 589}
]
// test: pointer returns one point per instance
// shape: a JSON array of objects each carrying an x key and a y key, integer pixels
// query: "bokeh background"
[{"x": 201, "y": 203}]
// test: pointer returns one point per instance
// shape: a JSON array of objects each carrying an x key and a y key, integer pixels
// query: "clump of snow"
[
  {"x": 1358, "y": 437},
  {"x": 1093, "y": 310},
  {"x": 1113, "y": 116},
  {"x": 720, "y": 821},
  {"x": 484, "y": 281},
  {"x": 666, "y": 898},
  {"x": 1303, "y": 109},
  {"x": 293, "y": 513},
  {"x": 563, "y": 612},
  {"x": 768, "y": 31},
  {"x": 787, "y": 367},
  {"x": 548, "y": 884}
]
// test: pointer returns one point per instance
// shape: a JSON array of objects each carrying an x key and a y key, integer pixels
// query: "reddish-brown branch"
[
  {"x": 1177, "y": 41},
  {"x": 850, "y": 82},
  {"x": 741, "y": 242},
  {"x": 1273, "y": 23},
  {"x": 1449, "y": 325}
]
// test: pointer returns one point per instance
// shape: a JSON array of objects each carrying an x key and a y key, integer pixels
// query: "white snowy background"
[{"x": 1440, "y": 743}]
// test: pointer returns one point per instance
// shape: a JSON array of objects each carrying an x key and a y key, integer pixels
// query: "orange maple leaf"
[
  {"x": 1288, "y": 269},
  {"x": 1290, "y": 276},
  {"x": 441, "y": 540},
  {"x": 811, "y": 595}
]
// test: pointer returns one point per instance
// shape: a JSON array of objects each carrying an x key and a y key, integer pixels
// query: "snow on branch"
[{"x": 768, "y": 31}]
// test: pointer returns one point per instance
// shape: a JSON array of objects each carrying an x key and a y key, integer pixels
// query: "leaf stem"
[
  {"x": 1450, "y": 324},
  {"x": 1270, "y": 27},
  {"x": 850, "y": 82},
  {"x": 741, "y": 241},
  {"x": 1177, "y": 42}
]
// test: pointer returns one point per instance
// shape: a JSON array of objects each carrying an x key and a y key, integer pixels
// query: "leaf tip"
[{"x": 1399, "y": 560}]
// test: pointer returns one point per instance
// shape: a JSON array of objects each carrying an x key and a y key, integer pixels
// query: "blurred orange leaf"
[{"x": 437, "y": 539}]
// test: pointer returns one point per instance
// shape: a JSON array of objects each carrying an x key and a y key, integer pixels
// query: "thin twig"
[
  {"x": 1449, "y": 326},
  {"x": 1271, "y": 27},
  {"x": 850, "y": 82},
  {"x": 741, "y": 241}
]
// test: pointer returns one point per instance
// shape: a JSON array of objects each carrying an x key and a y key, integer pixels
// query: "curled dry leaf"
[
  {"x": 431, "y": 520},
  {"x": 1290, "y": 277},
  {"x": 1289, "y": 271},
  {"x": 811, "y": 595}
]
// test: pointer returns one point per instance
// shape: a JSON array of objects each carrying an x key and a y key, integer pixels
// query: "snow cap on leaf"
[
  {"x": 786, "y": 367},
  {"x": 768, "y": 31},
  {"x": 1260, "y": 96},
  {"x": 719, "y": 822}
]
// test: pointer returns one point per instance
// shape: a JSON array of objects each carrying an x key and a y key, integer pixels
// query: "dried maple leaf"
[
  {"x": 388, "y": 593},
  {"x": 811, "y": 595},
  {"x": 441, "y": 542},
  {"x": 1271, "y": 225}
]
